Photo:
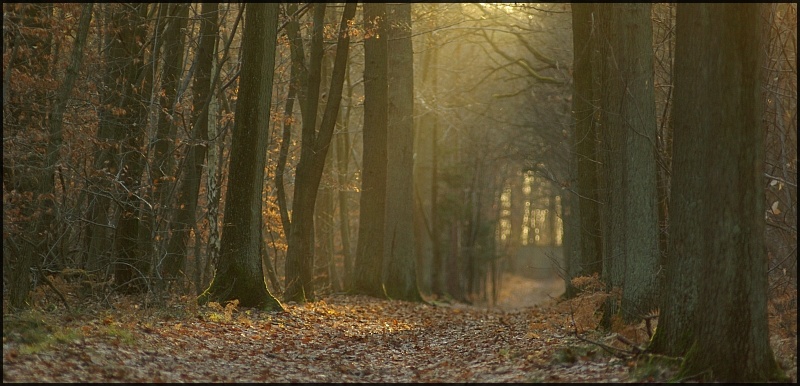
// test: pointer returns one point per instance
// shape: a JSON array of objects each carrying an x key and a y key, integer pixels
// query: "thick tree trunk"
[
  {"x": 369, "y": 250},
  {"x": 587, "y": 202},
  {"x": 715, "y": 305},
  {"x": 239, "y": 272},
  {"x": 400, "y": 275},
  {"x": 628, "y": 127}
]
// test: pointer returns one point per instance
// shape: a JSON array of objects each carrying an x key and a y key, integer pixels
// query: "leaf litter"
[{"x": 339, "y": 338}]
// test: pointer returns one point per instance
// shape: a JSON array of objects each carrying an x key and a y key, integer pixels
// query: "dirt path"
[
  {"x": 521, "y": 292},
  {"x": 339, "y": 339}
]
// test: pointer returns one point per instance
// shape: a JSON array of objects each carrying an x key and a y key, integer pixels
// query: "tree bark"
[
  {"x": 161, "y": 175},
  {"x": 239, "y": 272},
  {"x": 714, "y": 308},
  {"x": 128, "y": 121},
  {"x": 628, "y": 131},
  {"x": 186, "y": 206},
  {"x": 300, "y": 253},
  {"x": 400, "y": 275},
  {"x": 342, "y": 161},
  {"x": 369, "y": 250}
]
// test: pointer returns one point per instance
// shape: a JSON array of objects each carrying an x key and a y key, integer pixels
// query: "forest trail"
[
  {"x": 522, "y": 292},
  {"x": 338, "y": 339}
]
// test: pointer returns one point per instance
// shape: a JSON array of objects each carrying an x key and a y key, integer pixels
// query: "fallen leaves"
[{"x": 338, "y": 339}]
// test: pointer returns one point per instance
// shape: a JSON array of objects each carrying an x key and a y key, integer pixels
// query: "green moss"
[
  {"x": 699, "y": 366},
  {"x": 651, "y": 367},
  {"x": 123, "y": 334},
  {"x": 35, "y": 333}
]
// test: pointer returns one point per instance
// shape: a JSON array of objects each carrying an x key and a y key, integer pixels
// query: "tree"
[
  {"x": 628, "y": 135},
  {"x": 426, "y": 172},
  {"x": 342, "y": 149},
  {"x": 400, "y": 274},
  {"x": 714, "y": 307},
  {"x": 239, "y": 272},
  {"x": 26, "y": 115},
  {"x": 585, "y": 141},
  {"x": 186, "y": 205},
  {"x": 368, "y": 267},
  {"x": 162, "y": 146},
  {"x": 125, "y": 116},
  {"x": 314, "y": 149}
]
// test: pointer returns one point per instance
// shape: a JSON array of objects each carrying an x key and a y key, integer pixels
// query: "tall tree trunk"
[
  {"x": 437, "y": 264},
  {"x": 299, "y": 256},
  {"x": 628, "y": 127},
  {"x": 239, "y": 272},
  {"x": 369, "y": 251},
  {"x": 400, "y": 275},
  {"x": 323, "y": 213},
  {"x": 186, "y": 205},
  {"x": 714, "y": 308},
  {"x": 130, "y": 270},
  {"x": 585, "y": 143},
  {"x": 423, "y": 121},
  {"x": 342, "y": 161},
  {"x": 297, "y": 81},
  {"x": 161, "y": 174}
]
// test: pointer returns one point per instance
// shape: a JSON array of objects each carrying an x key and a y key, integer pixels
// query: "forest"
[{"x": 399, "y": 192}]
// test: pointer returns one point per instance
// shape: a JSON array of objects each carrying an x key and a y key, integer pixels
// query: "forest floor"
[{"x": 528, "y": 337}]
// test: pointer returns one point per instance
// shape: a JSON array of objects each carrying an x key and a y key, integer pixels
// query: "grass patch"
[
  {"x": 35, "y": 332},
  {"x": 123, "y": 334}
]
